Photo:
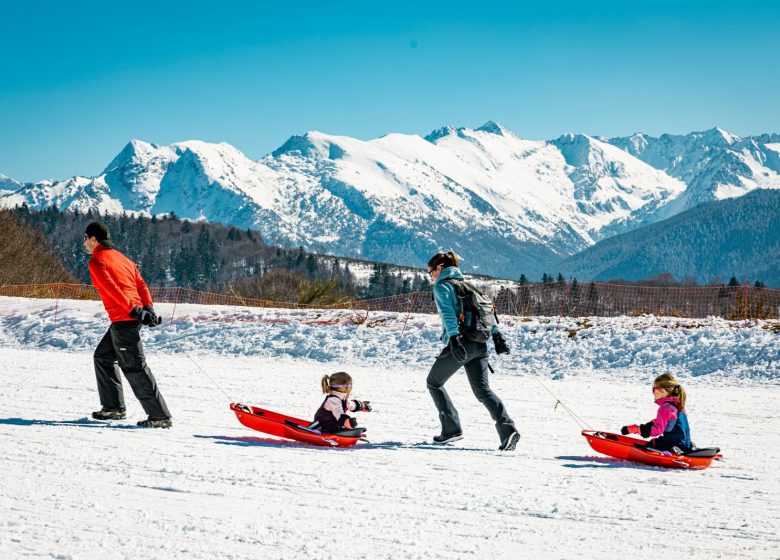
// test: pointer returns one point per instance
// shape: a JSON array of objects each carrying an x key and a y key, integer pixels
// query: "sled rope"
[
  {"x": 170, "y": 339},
  {"x": 210, "y": 378},
  {"x": 576, "y": 417}
]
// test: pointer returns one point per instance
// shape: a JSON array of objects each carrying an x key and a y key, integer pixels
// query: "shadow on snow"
[
  {"x": 594, "y": 462},
  {"x": 81, "y": 423}
]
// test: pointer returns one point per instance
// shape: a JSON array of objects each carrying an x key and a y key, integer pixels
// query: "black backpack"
[{"x": 481, "y": 311}]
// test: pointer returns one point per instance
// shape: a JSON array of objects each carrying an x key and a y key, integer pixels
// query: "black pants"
[
  {"x": 122, "y": 345},
  {"x": 477, "y": 372}
]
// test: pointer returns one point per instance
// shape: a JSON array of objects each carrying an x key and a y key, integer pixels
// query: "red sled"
[
  {"x": 633, "y": 449},
  {"x": 289, "y": 427}
]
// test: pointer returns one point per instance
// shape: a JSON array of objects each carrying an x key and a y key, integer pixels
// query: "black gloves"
[
  {"x": 500, "y": 344},
  {"x": 632, "y": 429},
  {"x": 362, "y": 406},
  {"x": 458, "y": 350},
  {"x": 146, "y": 315},
  {"x": 347, "y": 422}
]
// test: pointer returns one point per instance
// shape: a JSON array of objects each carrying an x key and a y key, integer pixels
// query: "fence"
[{"x": 566, "y": 299}]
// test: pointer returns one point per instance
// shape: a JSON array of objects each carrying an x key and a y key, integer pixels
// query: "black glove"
[
  {"x": 153, "y": 319},
  {"x": 145, "y": 315},
  {"x": 458, "y": 350},
  {"x": 500, "y": 344},
  {"x": 362, "y": 406},
  {"x": 347, "y": 422}
]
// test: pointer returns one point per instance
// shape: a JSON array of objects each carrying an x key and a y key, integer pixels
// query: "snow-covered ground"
[{"x": 71, "y": 487}]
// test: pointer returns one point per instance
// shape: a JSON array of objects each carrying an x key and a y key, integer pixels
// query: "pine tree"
[{"x": 733, "y": 281}]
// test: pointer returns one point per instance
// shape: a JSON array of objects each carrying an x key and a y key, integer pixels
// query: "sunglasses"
[{"x": 654, "y": 389}]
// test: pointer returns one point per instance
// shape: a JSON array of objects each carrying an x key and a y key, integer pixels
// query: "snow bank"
[{"x": 626, "y": 347}]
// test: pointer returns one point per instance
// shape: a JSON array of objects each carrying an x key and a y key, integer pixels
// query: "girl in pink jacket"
[
  {"x": 332, "y": 415},
  {"x": 670, "y": 428}
]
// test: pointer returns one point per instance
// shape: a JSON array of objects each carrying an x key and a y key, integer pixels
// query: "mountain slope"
[
  {"x": 507, "y": 204},
  {"x": 738, "y": 236},
  {"x": 714, "y": 163}
]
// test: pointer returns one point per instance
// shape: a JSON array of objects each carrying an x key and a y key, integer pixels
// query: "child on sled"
[
  {"x": 670, "y": 428},
  {"x": 332, "y": 415}
]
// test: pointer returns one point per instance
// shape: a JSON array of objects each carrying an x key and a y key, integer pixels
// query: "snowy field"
[{"x": 71, "y": 487}]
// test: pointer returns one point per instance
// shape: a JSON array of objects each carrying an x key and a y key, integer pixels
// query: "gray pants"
[
  {"x": 477, "y": 372},
  {"x": 122, "y": 345}
]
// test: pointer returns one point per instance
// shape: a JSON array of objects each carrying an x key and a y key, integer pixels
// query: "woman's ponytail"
[
  {"x": 325, "y": 384},
  {"x": 447, "y": 259}
]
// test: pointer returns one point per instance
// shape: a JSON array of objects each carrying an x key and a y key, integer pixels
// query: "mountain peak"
[
  {"x": 441, "y": 133},
  {"x": 304, "y": 145},
  {"x": 494, "y": 128},
  {"x": 717, "y": 135},
  {"x": 133, "y": 150}
]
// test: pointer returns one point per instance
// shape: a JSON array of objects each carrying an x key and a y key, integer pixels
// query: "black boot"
[
  {"x": 510, "y": 442},
  {"x": 447, "y": 438},
  {"x": 106, "y": 414},
  {"x": 159, "y": 423}
]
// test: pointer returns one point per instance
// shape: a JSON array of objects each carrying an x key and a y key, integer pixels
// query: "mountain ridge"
[{"x": 525, "y": 203}]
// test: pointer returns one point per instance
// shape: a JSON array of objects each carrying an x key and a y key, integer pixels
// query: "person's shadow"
[{"x": 80, "y": 423}]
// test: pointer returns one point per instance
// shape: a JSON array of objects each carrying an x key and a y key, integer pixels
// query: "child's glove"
[
  {"x": 457, "y": 349},
  {"x": 500, "y": 344},
  {"x": 347, "y": 422},
  {"x": 632, "y": 429},
  {"x": 362, "y": 406}
]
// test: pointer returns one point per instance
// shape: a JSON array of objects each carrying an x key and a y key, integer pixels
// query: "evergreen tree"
[
  {"x": 733, "y": 281},
  {"x": 523, "y": 280}
]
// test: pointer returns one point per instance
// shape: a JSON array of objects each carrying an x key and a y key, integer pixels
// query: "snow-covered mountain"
[
  {"x": 507, "y": 204},
  {"x": 714, "y": 164},
  {"x": 736, "y": 236}
]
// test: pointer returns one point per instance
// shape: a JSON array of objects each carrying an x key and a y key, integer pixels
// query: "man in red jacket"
[{"x": 129, "y": 305}]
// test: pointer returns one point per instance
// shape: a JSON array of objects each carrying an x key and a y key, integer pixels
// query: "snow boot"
[
  {"x": 446, "y": 439},
  {"x": 106, "y": 414},
  {"x": 510, "y": 442},
  {"x": 158, "y": 423}
]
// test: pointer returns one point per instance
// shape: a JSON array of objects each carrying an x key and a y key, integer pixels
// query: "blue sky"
[{"x": 81, "y": 79}]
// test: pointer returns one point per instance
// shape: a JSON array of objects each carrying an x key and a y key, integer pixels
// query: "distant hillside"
[
  {"x": 26, "y": 257},
  {"x": 204, "y": 256},
  {"x": 734, "y": 237}
]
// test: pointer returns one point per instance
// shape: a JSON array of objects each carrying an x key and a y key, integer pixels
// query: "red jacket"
[{"x": 118, "y": 282}]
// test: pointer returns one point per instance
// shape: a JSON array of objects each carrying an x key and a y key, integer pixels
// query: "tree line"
[{"x": 171, "y": 251}]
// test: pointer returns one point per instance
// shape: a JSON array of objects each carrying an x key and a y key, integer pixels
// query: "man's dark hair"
[{"x": 99, "y": 232}]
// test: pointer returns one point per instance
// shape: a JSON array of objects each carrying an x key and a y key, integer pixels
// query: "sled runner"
[
  {"x": 633, "y": 449},
  {"x": 289, "y": 427}
]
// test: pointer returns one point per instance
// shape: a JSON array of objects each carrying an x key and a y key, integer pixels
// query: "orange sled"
[
  {"x": 633, "y": 449},
  {"x": 288, "y": 427}
]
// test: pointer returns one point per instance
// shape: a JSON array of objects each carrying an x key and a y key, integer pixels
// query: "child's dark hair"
[
  {"x": 447, "y": 259},
  {"x": 340, "y": 381},
  {"x": 669, "y": 382}
]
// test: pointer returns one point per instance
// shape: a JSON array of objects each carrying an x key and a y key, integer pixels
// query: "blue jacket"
[{"x": 447, "y": 303}]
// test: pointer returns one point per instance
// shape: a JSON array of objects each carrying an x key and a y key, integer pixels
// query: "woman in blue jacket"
[{"x": 460, "y": 351}]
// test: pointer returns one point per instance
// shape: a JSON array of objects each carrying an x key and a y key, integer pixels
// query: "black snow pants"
[
  {"x": 122, "y": 345},
  {"x": 477, "y": 372}
]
